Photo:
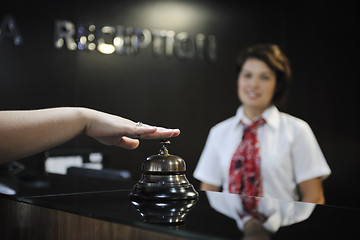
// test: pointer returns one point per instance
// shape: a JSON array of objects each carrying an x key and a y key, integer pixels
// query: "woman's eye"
[
  {"x": 264, "y": 77},
  {"x": 247, "y": 75}
]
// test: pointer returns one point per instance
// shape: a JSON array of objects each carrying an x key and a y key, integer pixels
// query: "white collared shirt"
[{"x": 289, "y": 151}]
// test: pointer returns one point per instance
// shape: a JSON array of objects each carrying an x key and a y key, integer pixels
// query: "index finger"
[{"x": 161, "y": 133}]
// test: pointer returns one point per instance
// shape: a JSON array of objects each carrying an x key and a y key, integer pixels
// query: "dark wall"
[{"x": 191, "y": 94}]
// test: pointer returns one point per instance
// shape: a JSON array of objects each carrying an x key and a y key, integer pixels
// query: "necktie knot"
[{"x": 254, "y": 125}]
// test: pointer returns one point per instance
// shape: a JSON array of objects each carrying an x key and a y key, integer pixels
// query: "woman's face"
[{"x": 256, "y": 85}]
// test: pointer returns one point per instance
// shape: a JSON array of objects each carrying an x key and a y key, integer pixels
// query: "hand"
[
  {"x": 113, "y": 130},
  {"x": 24, "y": 133}
]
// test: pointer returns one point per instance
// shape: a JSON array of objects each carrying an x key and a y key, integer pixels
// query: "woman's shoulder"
[
  {"x": 293, "y": 122},
  {"x": 223, "y": 126}
]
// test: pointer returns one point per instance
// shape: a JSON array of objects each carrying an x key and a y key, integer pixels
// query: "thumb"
[{"x": 128, "y": 143}]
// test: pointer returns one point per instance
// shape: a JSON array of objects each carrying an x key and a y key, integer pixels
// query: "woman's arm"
[
  {"x": 209, "y": 187},
  {"x": 312, "y": 191},
  {"x": 23, "y": 133}
]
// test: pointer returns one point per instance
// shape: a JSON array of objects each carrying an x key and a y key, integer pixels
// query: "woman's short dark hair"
[{"x": 276, "y": 61}]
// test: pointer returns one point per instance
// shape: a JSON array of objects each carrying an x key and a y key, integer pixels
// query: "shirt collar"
[{"x": 271, "y": 115}]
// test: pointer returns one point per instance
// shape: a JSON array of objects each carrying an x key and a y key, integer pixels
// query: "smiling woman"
[{"x": 261, "y": 151}]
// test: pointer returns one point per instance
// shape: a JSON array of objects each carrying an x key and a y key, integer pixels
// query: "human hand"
[{"x": 117, "y": 131}]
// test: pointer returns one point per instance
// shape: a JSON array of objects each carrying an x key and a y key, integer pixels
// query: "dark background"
[{"x": 193, "y": 95}]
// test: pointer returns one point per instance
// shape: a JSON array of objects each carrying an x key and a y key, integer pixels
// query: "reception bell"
[{"x": 163, "y": 194}]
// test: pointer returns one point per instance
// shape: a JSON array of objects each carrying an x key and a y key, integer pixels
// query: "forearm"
[
  {"x": 314, "y": 198},
  {"x": 209, "y": 187},
  {"x": 23, "y": 133},
  {"x": 312, "y": 191}
]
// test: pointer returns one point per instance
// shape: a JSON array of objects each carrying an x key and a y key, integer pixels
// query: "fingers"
[
  {"x": 150, "y": 132},
  {"x": 130, "y": 139},
  {"x": 143, "y": 129},
  {"x": 146, "y": 133},
  {"x": 128, "y": 143},
  {"x": 163, "y": 133}
]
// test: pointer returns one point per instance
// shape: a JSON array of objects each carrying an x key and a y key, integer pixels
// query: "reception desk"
[{"x": 84, "y": 208}]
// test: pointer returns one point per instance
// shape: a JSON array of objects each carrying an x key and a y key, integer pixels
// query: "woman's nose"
[{"x": 254, "y": 82}]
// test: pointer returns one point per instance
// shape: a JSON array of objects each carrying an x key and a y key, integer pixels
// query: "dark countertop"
[{"x": 212, "y": 217}]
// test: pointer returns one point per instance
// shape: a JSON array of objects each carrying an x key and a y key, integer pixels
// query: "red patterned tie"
[{"x": 245, "y": 176}]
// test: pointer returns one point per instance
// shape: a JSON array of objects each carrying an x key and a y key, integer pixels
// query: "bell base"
[
  {"x": 179, "y": 192},
  {"x": 164, "y": 212}
]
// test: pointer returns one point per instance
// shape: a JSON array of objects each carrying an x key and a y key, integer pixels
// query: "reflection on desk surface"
[
  {"x": 266, "y": 219},
  {"x": 215, "y": 215}
]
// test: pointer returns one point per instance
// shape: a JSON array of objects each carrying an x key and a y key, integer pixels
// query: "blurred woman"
[{"x": 261, "y": 151}]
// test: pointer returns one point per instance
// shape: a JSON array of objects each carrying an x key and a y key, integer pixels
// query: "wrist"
[
  {"x": 84, "y": 116},
  {"x": 88, "y": 117}
]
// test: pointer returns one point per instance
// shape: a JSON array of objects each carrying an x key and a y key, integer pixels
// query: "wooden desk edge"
[{"x": 20, "y": 220}]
